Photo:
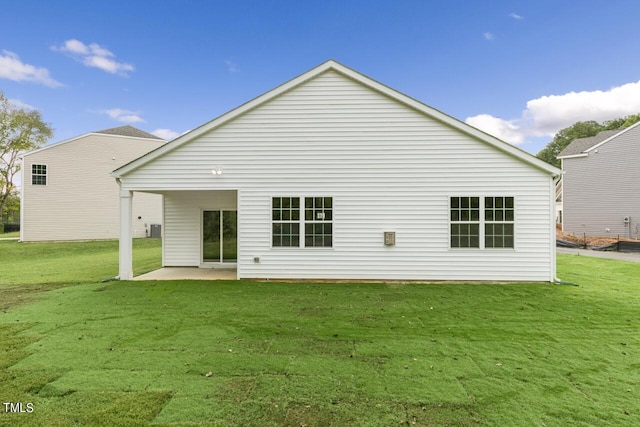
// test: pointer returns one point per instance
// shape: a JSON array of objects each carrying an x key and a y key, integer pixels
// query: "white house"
[
  {"x": 600, "y": 184},
  {"x": 68, "y": 193},
  {"x": 333, "y": 175}
]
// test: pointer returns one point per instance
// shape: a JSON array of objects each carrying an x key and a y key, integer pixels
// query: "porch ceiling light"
[{"x": 217, "y": 171}]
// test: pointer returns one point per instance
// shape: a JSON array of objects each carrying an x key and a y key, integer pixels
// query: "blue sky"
[{"x": 519, "y": 69}]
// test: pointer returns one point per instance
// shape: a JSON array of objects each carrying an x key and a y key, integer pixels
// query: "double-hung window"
[
  {"x": 285, "y": 216},
  {"x": 482, "y": 222},
  {"x": 318, "y": 222},
  {"x": 498, "y": 222},
  {"x": 38, "y": 174},
  {"x": 309, "y": 225},
  {"x": 465, "y": 222}
]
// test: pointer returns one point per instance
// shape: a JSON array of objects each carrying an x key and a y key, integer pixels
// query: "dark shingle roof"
[
  {"x": 128, "y": 131},
  {"x": 580, "y": 145}
]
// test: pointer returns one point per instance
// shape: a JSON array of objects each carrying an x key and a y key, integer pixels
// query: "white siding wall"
[
  {"x": 387, "y": 167},
  {"x": 601, "y": 189},
  {"x": 80, "y": 200}
]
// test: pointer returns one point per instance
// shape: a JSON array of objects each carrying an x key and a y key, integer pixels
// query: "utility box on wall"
[{"x": 389, "y": 238}]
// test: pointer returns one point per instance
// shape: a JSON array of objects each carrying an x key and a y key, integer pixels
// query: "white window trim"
[{"x": 481, "y": 224}]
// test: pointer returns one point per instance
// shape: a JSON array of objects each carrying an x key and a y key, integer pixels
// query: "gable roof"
[
  {"x": 126, "y": 131},
  {"x": 582, "y": 146},
  {"x": 360, "y": 78}
]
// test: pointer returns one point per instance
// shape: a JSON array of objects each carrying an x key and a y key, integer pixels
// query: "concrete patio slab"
[{"x": 189, "y": 273}]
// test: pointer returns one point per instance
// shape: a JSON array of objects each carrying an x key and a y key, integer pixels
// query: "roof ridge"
[{"x": 128, "y": 130}]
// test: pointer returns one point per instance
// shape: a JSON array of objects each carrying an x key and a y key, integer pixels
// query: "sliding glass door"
[{"x": 220, "y": 236}]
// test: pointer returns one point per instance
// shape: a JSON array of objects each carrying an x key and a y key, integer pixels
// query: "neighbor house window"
[
  {"x": 465, "y": 222},
  {"x": 285, "y": 217},
  {"x": 498, "y": 222},
  {"x": 38, "y": 174},
  {"x": 482, "y": 222},
  {"x": 318, "y": 222}
]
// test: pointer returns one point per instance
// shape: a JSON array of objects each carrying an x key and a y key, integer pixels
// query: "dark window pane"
[
  {"x": 475, "y": 215},
  {"x": 276, "y": 202},
  {"x": 328, "y": 202},
  {"x": 508, "y": 215},
  {"x": 508, "y": 203},
  {"x": 295, "y": 215},
  {"x": 488, "y": 202},
  {"x": 474, "y": 242},
  {"x": 286, "y": 215},
  {"x": 499, "y": 215},
  {"x": 286, "y": 202},
  {"x": 464, "y": 202},
  {"x": 475, "y": 202},
  {"x": 295, "y": 202},
  {"x": 455, "y": 202}
]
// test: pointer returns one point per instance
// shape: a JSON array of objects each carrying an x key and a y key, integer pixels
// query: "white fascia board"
[
  {"x": 612, "y": 137},
  {"x": 573, "y": 156},
  {"x": 358, "y": 77}
]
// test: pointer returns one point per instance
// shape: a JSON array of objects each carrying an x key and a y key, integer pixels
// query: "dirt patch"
[
  {"x": 13, "y": 296},
  {"x": 590, "y": 240}
]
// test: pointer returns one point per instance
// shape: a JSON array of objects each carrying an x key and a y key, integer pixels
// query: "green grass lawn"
[
  {"x": 302, "y": 354},
  {"x": 12, "y": 235}
]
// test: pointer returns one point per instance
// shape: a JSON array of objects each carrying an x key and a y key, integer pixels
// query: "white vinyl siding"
[
  {"x": 387, "y": 166},
  {"x": 80, "y": 200}
]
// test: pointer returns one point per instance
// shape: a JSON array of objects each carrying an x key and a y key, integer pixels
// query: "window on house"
[
  {"x": 285, "y": 217},
  {"x": 318, "y": 222},
  {"x": 312, "y": 229},
  {"x": 465, "y": 222},
  {"x": 489, "y": 224},
  {"x": 498, "y": 222},
  {"x": 38, "y": 174}
]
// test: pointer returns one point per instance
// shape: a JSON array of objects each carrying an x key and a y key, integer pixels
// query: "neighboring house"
[
  {"x": 333, "y": 175},
  {"x": 68, "y": 193},
  {"x": 600, "y": 184}
]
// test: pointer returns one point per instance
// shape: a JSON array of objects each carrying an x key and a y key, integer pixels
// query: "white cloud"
[
  {"x": 124, "y": 116},
  {"x": 12, "y": 68},
  {"x": 547, "y": 115},
  {"x": 515, "y": 16},
  {"x": 166, "y": 134},
  {"x": 232, "y": 67},
  {"x": 488, "y": 36},
  {"x": 94, "y": 55},
  {"x": 503, "y": 129}
]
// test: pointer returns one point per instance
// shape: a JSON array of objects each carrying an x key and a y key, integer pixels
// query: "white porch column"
[{"x": 126, "y": 242}]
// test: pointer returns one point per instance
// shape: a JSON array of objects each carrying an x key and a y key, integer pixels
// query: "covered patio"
[{"x": 189, "y": 273}]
